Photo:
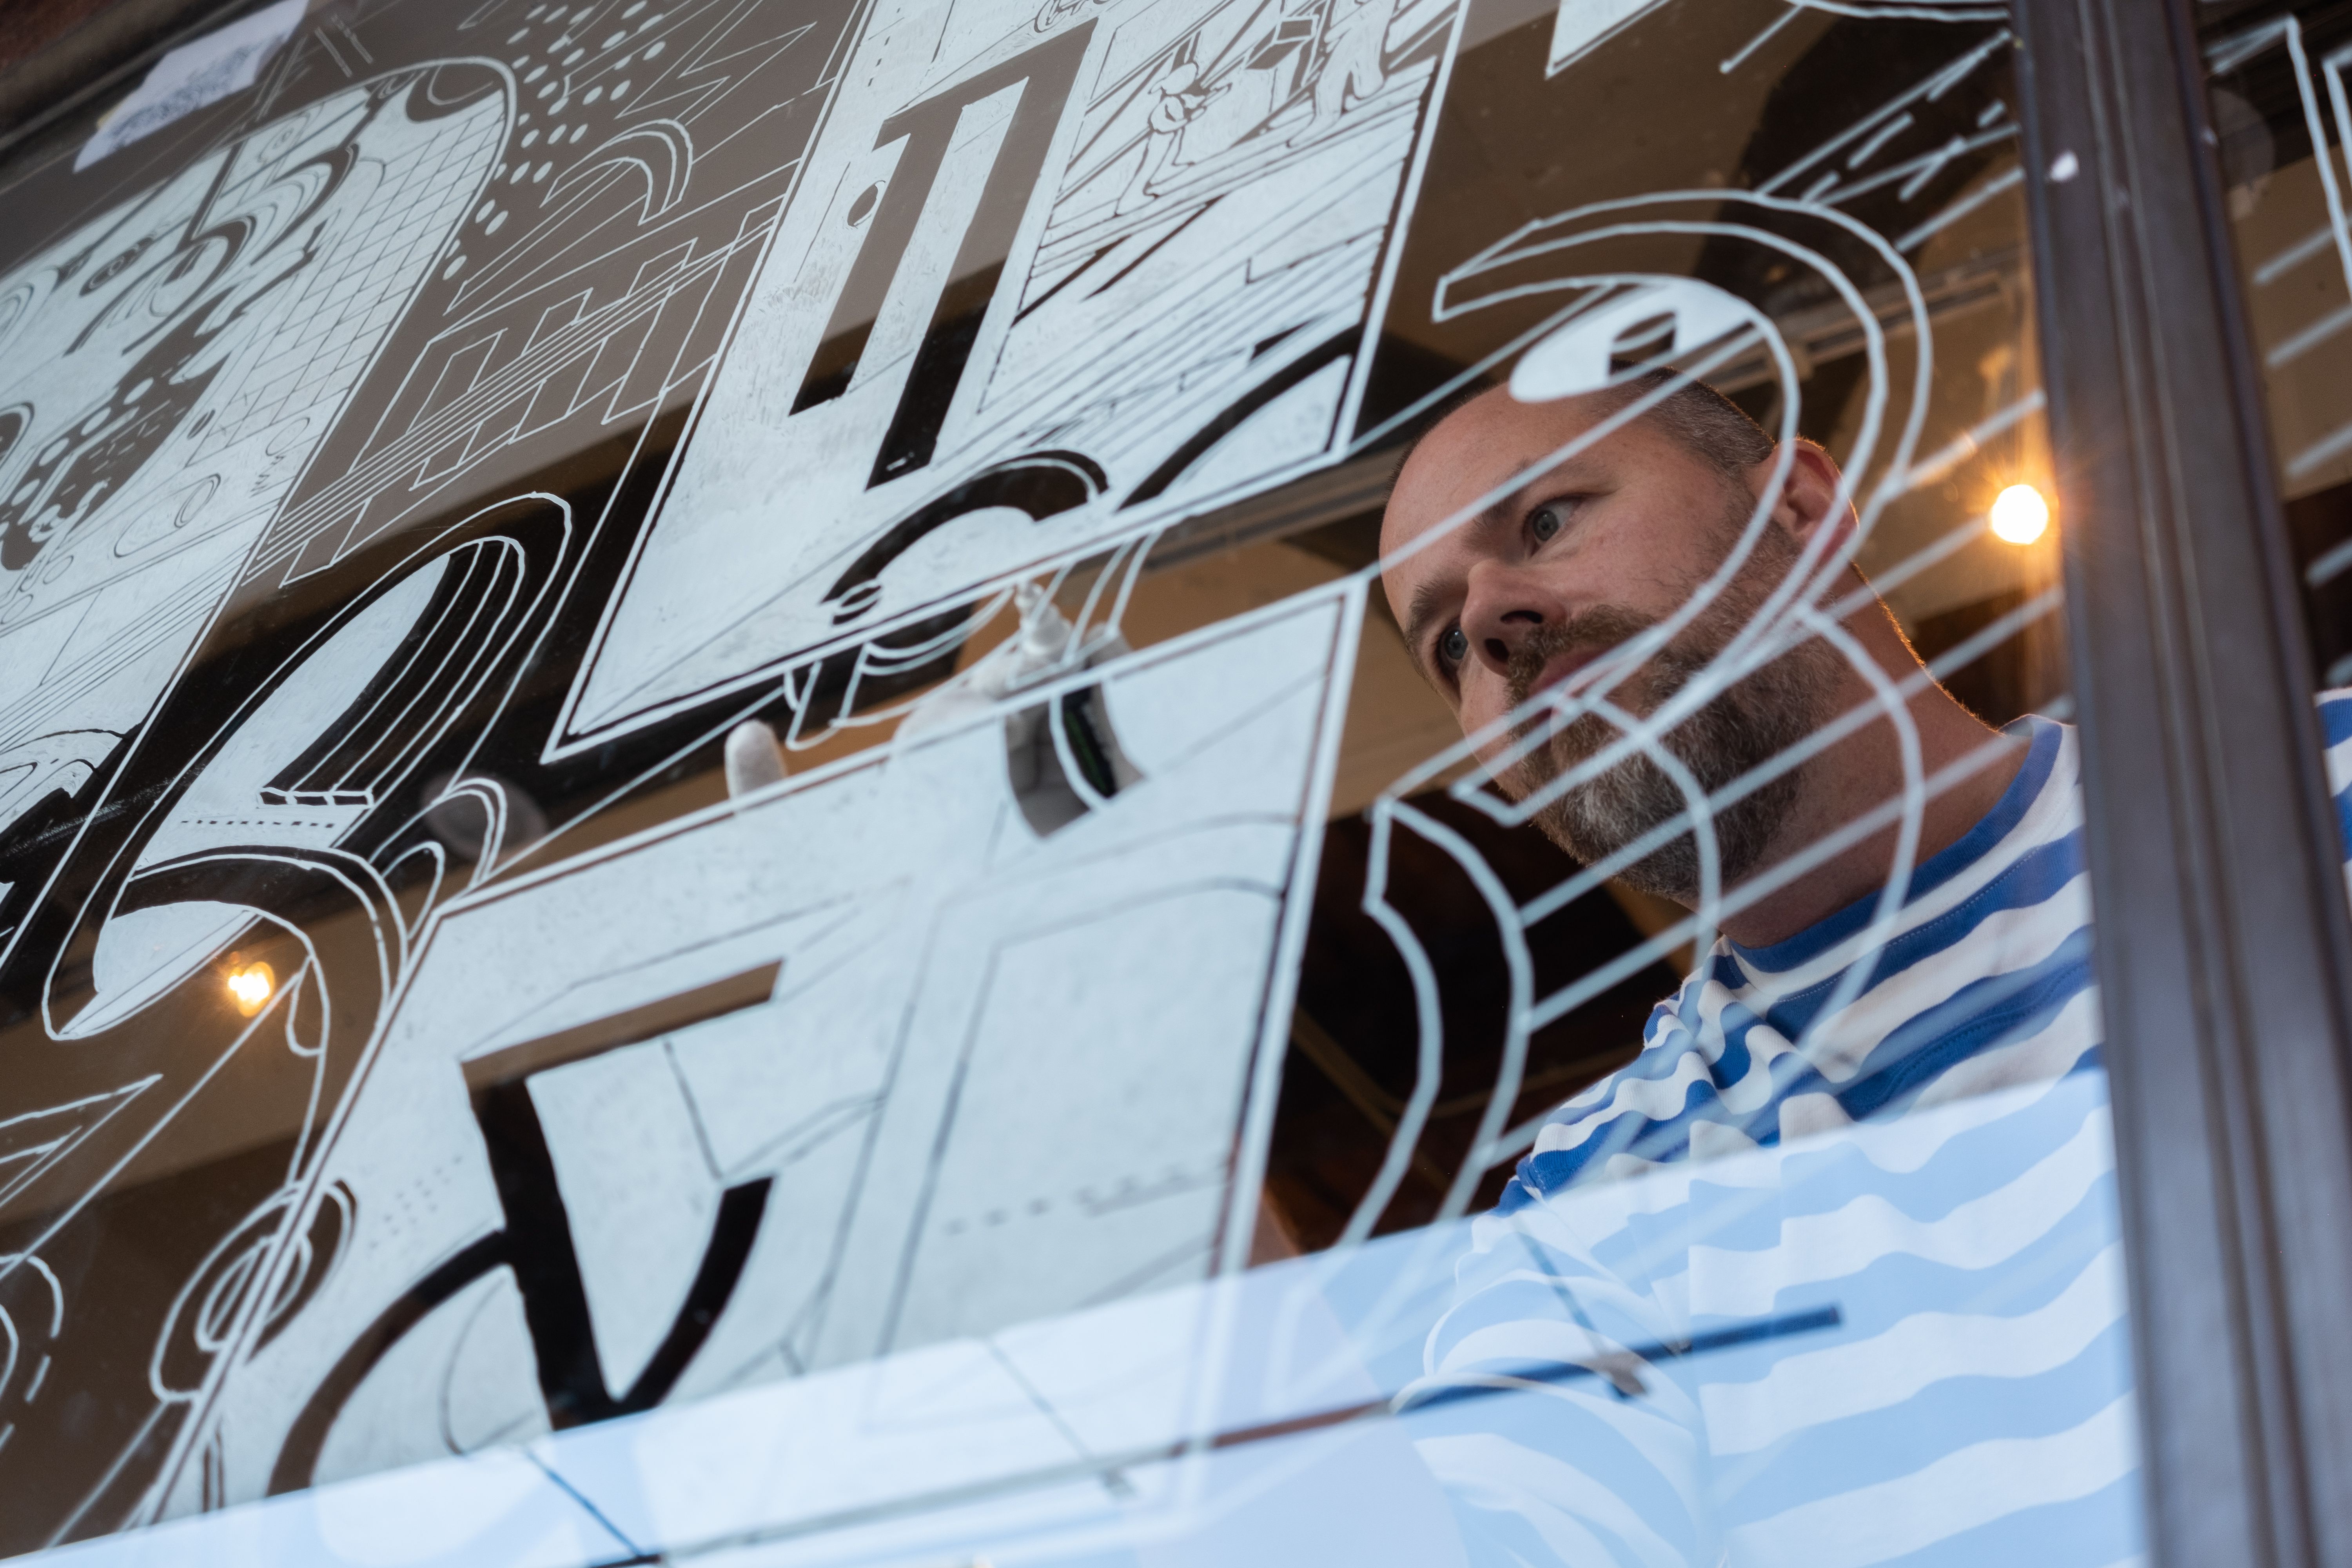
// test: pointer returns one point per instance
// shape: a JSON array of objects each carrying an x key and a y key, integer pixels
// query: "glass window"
[
  {"x": 1115, "y": 781},
  {"x": 2279, "y": 115}
]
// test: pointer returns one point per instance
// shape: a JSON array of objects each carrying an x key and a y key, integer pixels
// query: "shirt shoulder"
[
  {"x": 2336, "y": 732},
  {"x": 1983, "y": 980}
]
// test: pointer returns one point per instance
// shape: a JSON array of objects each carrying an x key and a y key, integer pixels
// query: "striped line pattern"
[
  {"x": 2335, "y": 726},
  {"x": 1917, "y": 1165}
]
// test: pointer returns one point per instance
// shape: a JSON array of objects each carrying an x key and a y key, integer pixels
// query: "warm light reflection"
[
  {"x": 2020, "y": 515},
  {"x": 251, "y": 986}
]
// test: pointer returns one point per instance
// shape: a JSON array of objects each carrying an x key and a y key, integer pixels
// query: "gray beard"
[{"x": 1743, "y": 727}]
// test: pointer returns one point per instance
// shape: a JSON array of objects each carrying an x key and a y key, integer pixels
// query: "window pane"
[
  {"x": 1137, "y": 781},
  {"x": 2276, "y": 95}
]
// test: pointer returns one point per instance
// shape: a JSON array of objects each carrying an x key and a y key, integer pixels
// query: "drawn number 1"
[{"x": 1047, "y": 73}]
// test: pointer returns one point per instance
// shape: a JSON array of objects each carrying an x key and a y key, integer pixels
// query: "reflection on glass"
[
  {"x": 918, "y": 782},
  {"x": 2276, "y": 93},
  {"x": 250, "y": 986},
  {"x": 2018, "y": 514},
  {"x": 2277, "y": 101}
]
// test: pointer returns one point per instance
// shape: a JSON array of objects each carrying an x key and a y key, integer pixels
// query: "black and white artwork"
[
  {"x": 1082, "y": 268},
  {"x": 590, "y": 815},
  {"x": 406, "y": 1078},
  {"x": 174, "y": 363},
  {"x": 805, "y": 1082}
]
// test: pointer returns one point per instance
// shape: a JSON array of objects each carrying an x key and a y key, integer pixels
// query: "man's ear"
[{"x": 1811, "y": 498}]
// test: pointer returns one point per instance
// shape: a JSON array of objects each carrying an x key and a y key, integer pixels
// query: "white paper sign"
[{"x": 194, "y": 75}]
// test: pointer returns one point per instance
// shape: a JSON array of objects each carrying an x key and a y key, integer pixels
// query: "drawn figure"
[
  {"x": 1354, "y": 65},
  {"x": 1181, "y": 101},
  {"x": 1053, "y": 13}
]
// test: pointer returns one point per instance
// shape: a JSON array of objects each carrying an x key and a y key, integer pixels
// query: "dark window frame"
[{"x": 2224, "y": 950}]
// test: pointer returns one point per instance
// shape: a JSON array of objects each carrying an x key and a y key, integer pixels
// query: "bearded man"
[
  {"x": 1828, "y": 1274},
  {"x": 1653, "y": 557}
]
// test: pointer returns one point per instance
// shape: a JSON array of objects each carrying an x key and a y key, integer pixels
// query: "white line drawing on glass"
[
  {"x": 1581, "y": 27},
  {"x": 254, "y": 842},
  {"x": 649, "y": 153},
  {"x": 1627, "y": 316},
  {"x": 335, "y": 787},
  {"x": 843, "y": 1074},
  {"x": 179, "y": 360},
  {"x": 2335, "y": 235},
  {"x": 1075, "y": 281},
  {"x": 855, "y": 1205},
  {"x": 1706, "y": 329}
]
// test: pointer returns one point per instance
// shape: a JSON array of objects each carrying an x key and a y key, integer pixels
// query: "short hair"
[{"x": 1707, "y": 425}]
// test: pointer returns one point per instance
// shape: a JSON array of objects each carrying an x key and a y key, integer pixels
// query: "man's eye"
[
  {"x": 1452, "y": 646},
  {"x": 1546, "y": 521}
]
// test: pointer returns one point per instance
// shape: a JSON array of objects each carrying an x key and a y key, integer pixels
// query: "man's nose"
[{"x": 1502, "y": 608}]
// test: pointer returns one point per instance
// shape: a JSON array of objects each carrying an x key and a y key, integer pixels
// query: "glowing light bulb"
[
  {"x": 250, "y": 987},
  {"x": 2020, "y": 515}
]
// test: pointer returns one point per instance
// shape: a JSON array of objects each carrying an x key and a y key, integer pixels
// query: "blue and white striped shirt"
[
  {"x": 1842, "y": 1271},
  {"x": 2336, "y": 728}
]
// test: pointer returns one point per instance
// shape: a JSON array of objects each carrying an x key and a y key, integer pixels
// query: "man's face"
[{"x": 1577, "y": 558}]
